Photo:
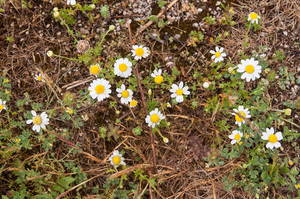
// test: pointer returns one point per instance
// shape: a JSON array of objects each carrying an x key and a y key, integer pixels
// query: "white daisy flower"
[
  {"x": 116, "y": 159},
  {"x": 253, "y": 17},
  {"x": 39, "y": 77},
  {"x": 50, "y": 53},
  {"x": 154, "y": 118},
  {"x": 39, "y": 121},
  {"x": 251, "y": 69},
  {"x": 71, "y": 2},
  {"x": 133, "y": 103},
  {"x": 244, "y": 112},
  {"x": 125, "y": 95},
  {"x": 272, "y": 138},
  {"x": 139, "y": 52},
  {"x": 218, "y": 55},
  {"x": 2, "y": 105},
  {"x": 99, "y": 89},
  {"x": 168, "y": 105},
  {"x": 179, "y": 91},
  {"x": 123, "y": 67},
  {"x": 236, "y": 136},
  {"x": 157, "y": 76},
  {"x": 95, "y": 69}
]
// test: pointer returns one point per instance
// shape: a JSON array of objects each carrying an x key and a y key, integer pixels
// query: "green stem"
[
  {"x": 274, "y": 162},
  {"x": 290, "y": 122},
  {"x": 72, "y": 59},
  {"x": 104, "y": 37},
  {"x": 269, "y": 109},
  {"x": 69, "y": 30},
  {"x": 246, "y": 39}
]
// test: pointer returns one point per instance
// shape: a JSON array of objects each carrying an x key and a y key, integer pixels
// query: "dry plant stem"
[
  {"x": 145, "y": 108},
  {"x": 64, "y": 140},
  {"x": 73, "y": 145},
  {"x": 140, "y": 166},
  {"x": 130, "y": 37},
  {"x": 158, "y": 16},
  {"x": 77, "y": 83},
  {"x": 126, "y": 16}
]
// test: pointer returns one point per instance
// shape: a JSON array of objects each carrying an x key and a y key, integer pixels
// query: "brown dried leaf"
[{"x": 196, "y": 149}]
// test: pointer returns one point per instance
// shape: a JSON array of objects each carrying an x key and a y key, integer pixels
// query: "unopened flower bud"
[
  {"x": 166, "y": 140},
  {"x": 149, "y": 92},
  {"x": 50, "y": 53},
  {"x": 288, "y": 111},
  {"x": 56, "y": 14},
  {"x": 92, "y": 6},
  {"x": 230, "y": 69},
  {"x": 205, "y": 84},
  {"x": 111, "y": 27}
]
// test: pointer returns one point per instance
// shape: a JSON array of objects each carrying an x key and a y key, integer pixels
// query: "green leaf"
[
  {"x": 292, "y": 178},
  {"x": 137, "y": 158},
  {"x": 66, "y": 181},
  {"x": 284, "y": 170},
  {"x": 285, "y": 130},
  {"x": 264, "y": 175},
  {"x": 294, "y": 171},
  {"x": 137, "y": 130},
  {"x": 153, "y": 18},
  {"x": 274, "y": 179},
  {"x": 246, "y": 144}
]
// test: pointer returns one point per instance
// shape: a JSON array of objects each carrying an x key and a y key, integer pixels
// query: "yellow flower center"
[
  {"x": 249, "y": 69},
  {"x": 179, "y": 92},
  {"x": 253, "y": 15},
  {"x": 123, "y": 67},
  {"x": 158, "y": 79},
  {"x": 237, "y": 137},
  {"x": 139, "y": 51},
  {"x": 154, "y": 118},
  {"x": 237, "y": 118},
  {"x": 133, "y": 103},
  {"x": 99, "y": 89},
  {"x": 1, "y": 107},
  {"x": 39, "y": 78},
  {"x": 116, "y": 160},
  {"x": 37, "y": 120},
  {"x": 125, "y": 94},
  {"x": 95, "y": 69},
  {"x": 217, "y": 54},
  {"x": 272, "y": 138}
]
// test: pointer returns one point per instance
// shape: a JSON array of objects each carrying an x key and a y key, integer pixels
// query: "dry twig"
[{"x": 158, "y": 16}]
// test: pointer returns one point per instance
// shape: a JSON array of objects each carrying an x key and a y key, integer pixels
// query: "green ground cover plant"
[{"x": 105, "y": 114}]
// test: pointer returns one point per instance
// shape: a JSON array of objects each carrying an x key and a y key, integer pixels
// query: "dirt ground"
[{"x": 179, "y": 167}]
